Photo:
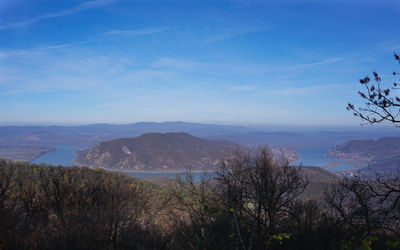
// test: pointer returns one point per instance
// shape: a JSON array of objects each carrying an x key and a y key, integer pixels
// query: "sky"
[{"x": 241, "y": 62}]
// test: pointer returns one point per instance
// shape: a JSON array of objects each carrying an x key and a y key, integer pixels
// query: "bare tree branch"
[{"x": 381, "y": 104}]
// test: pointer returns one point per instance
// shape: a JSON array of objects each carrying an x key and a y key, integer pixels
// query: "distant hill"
[
  {"x": 157, "y": 152},
  {"x": 23, "y": 142},
  {"x": 317, "y": 174},
  {"x": 378, "y": 154},
  {"x": 318, "y": 178},
  {"x": 90, "y": 135}
]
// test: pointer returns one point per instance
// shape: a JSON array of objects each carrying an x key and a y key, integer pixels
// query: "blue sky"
[{"x": 228, "y": 62}]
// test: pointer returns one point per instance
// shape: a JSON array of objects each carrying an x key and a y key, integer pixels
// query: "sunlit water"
[
  {"x": 316, "y": 156},
  {"x": 63, "y": 155},
  {"x": 310, "y": 156}
]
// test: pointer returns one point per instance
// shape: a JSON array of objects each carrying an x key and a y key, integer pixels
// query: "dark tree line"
[
  {"x": 253, "y": 202},
  {"x": 44, "y": 207},
  {"x": 367, "y": 207}
]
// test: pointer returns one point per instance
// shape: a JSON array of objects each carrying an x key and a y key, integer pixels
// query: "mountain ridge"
[{"x": 157, "y": 152}]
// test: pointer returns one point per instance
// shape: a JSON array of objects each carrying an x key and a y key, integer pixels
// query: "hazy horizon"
[
  {"x": 249, "y": 63},
  {"x": 274, "y": 128}
]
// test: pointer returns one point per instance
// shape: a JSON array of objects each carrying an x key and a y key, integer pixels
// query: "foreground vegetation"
[{"x": 253, "y": 203}]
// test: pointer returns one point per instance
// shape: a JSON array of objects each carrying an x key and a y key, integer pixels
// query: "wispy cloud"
[
  {"x": 139, "y": 32},
  {"x": 243, "y": 88},
  {"x": 65, "y": 12},
  {"x": 312, "y": 90},
  {"x": 231, "y": 34},
  {"x": 315, "y": 64},
  {"x": 65, "y": 45},
  {"x": 36, "y": 51},
  {"x": 176, "y": 64},
  {"x": 283, "y": 68},
  {"x": 117, "y": 86}
]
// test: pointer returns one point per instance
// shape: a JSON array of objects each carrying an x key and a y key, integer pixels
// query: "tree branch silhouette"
[{"x": 382, "y": 104}]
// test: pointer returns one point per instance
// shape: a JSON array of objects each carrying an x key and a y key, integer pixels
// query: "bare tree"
[
  {"x": 266, "y": 189},
  {"x": 366, "y": 207},
  {"x": 371, "y": 203},
  {"x": 382, "y": 103}
]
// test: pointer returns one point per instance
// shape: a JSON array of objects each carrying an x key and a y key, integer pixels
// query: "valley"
[{"x": 66, "y": 145}]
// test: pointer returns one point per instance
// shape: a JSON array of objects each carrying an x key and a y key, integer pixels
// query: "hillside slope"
[
  {"x": 319, "y": 179},
  {"x": 378, "y": 154},
  {"x": 157, "y": 152}
]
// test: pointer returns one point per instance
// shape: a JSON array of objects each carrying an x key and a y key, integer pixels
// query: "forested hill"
[
  {"x": 156, "y": 151},
  {"x": 378, "y": 154}
]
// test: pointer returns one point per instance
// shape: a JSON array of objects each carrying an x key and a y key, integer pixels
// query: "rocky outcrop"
[{"x": 157, "y": 152}]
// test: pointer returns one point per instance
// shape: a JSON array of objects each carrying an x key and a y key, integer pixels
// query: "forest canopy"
[{"x": 254, "y": 202}]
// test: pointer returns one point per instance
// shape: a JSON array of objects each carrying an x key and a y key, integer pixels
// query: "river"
[
  {"x": 316, "y": 156},
  {"x": 64, "y": 155}
]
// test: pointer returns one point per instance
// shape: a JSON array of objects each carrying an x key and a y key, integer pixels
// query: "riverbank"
[{"x": 24, "y": 153}]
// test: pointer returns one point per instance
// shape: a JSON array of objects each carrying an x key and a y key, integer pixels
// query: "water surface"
[
  {"x": 63, "y": 155},
  {"x": 316, "y": 156}
]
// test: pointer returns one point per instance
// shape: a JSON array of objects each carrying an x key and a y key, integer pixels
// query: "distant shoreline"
[
  {"x": 51, "y": 149},
  {"x": 183, "y": 171},
  {"x": 24, "y": 152}
]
